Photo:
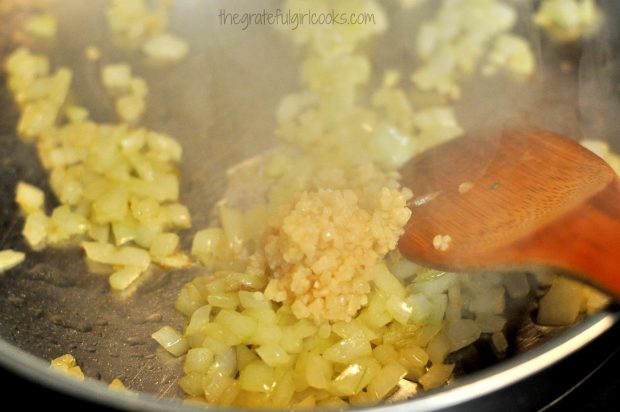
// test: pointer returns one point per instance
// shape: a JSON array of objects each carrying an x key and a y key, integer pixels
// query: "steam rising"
[
  {"x": 574, "y": 90},
  {"x": 598, "y": 84}
]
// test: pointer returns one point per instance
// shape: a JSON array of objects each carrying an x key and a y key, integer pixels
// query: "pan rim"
[{"x": 467, "y": 388}]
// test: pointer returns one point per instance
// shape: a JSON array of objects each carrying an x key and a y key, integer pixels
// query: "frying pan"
[{"x": 219, "y": 103}]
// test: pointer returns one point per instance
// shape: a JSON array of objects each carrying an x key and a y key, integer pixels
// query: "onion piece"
[
  {"x": 171, "y": 340},
  {"x": 10, "y": 258}
]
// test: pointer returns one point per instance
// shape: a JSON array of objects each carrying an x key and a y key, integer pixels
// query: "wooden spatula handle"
[{"x": 586, "y": 240}]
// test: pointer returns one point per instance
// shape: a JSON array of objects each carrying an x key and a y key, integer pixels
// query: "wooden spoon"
[{"x": 513, "y": 201}]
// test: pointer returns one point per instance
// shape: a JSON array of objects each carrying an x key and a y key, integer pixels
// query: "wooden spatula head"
[{"x": 485, "y": 202}]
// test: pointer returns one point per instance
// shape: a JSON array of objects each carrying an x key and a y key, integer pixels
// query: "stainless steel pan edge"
[{"x": 526, "y": 382}]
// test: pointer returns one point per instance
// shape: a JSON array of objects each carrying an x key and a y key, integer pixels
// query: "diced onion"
[
  {"x": 29, "y": 198},
  {"x": 10, "y": 258},
  {"x": 167, "y": 47},
  {"x": 171, "y": 341},
  {"x": 42, "y": 25}
]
